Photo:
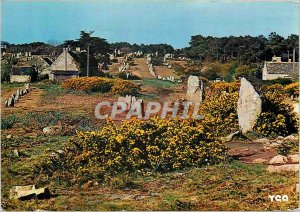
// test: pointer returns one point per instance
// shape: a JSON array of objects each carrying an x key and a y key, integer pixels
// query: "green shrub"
[
  {"x": 281, "y": 81},
  {"x": 288, "y": 147},
  {"x": 8, "y": 122}
]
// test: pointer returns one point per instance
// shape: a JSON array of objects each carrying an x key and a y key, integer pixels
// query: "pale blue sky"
[{"x": 144, "y": 21}]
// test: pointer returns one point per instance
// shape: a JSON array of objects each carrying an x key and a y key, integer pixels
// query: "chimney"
[
  {"x": 276, "y": 59},
  {"x": 294, "y": 55},
  {"x": 65, "y": 56}
]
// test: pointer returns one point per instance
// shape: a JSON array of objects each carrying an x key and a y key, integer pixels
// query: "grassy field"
[
  {"x": 233, "y": 186},
  {"x": 157, "y": 83}
]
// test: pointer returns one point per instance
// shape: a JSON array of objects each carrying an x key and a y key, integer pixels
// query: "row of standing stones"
[
  {"x": 10, "y": 102},
  {"x": 249, "y": 107}
]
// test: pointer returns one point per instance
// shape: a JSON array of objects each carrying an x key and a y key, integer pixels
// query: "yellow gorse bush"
[
  {"x": 220, "y": 113},
  {"x": 99, "y": 84},
  {"x": 218, "y": 87},
  {"x": 292, "y": 89},
  {"x": 152, "y": 145},
  {"x": 277, "y": 117}
]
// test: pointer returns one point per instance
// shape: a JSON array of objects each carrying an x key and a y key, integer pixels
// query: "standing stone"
[
  {"x": 195, "y": 89},
  {"x": 11, "y": 102},
  {"x": 17, "y": 95},
  {"x": 249, "y": 106},
  {"x": 27, "y": 86},
  {"x": 149, "y": 59},
  {"x": 16, "y": 153},
  {"x": 151, "y": 70}
]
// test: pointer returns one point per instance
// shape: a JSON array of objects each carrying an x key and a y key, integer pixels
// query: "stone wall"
[{"x": 20, "y": 78}]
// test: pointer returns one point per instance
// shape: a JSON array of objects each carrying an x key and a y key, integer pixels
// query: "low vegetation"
[
  {"x": 277, "y": 117},
  {"x": 103, "y": 85},
  {"x": 136, "y": 146}
]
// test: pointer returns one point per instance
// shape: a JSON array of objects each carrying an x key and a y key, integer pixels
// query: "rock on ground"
[
  {"x": 278, "y": 160},
  {"x": 262, "y": 140},
  {"x": 291, "y": 137},
  {"x": 52, "y": 130},
  {"x": 283, "y": 168},
  {"x": 241, "y": 152},
  {"x": 28, "y": 192},
  {"x": 249, "y": 106},
  {"x": 293, "y": 158},
  {"x": 231, "y": 136}
]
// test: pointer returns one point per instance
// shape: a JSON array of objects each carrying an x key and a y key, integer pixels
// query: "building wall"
[
  {"x": 19, "y": 78},
  {"x": 59, "y": 77},
  {"x": 267, "y": 76}
]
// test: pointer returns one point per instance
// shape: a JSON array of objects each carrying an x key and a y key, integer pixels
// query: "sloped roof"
[
  {"x": 48, "y": 60},
  {"x": 40, "y": 61},
  {"x": 281, "y": 67},
  {"x": 59, "y": 63}
]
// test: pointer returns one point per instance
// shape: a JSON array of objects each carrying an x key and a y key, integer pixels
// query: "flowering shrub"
[
  {"x": 218, "y": 87},
  {"x": 152, "y": 145},
  {"x": 103, "y": 85},
  {"x": 220, "y": 113},
  {"x": 277, "y": 117},
  {"x": 292, "y": 89},
  {"x": 273, "y": 88},
  {"x": 123, "y": 87}
]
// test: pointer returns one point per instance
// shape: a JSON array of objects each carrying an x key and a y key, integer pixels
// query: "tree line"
[{"x": 245, "y": 49}]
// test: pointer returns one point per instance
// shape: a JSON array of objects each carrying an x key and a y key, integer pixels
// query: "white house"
[{"x": 277, "y": 69}]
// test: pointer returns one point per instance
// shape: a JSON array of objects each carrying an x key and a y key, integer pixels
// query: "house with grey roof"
[
  {"x": 64, "y": 67},
  {"x": 41, "y": 64},
  {"x": 277, "y": 69}
]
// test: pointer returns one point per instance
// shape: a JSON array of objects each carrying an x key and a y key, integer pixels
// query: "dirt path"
[
  {"x": 249, "y": 152},
  {"x": 164, "y": 72},
  {"x": 28, "y": 102},
  {"x": 35, "y": 101},
  {"x": 140, "y": 69}
]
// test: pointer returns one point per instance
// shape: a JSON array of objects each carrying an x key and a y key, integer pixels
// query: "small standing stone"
[
  {"x": 16, "y": 153},
  {"x": 11, "y": 102},
  {"x": 6, "y": 103}
]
